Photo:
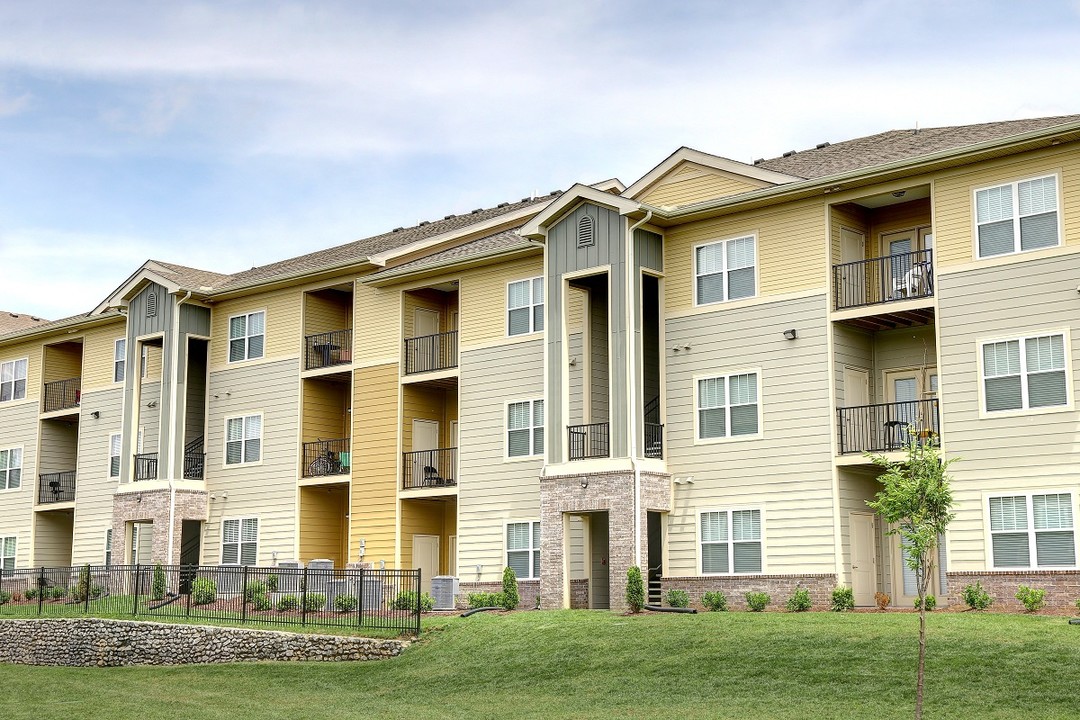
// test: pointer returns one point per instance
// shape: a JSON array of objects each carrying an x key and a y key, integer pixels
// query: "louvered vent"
[
  {"x": 585, "y": 235},
  {"x": 151, "y": 304}
]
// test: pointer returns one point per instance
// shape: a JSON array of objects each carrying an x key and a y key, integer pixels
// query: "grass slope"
[{"x": 579, "y": 664}]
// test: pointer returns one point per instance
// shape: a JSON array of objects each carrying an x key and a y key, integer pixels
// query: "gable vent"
[
  {"x": 585, "y": 235},
  {"x": 151, "y": 304}
]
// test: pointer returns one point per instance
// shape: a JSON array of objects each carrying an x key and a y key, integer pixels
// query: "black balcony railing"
[
  {"x": 326, "y": 457},
  {"x": 63, "y": 394},
  {"x": 327, "y": 349},
  {"x": 146, "y": 466},
  {"x": 589, "y": 441},
  {"x": 884, "y": 279},
  {"x": 429, "y": 468},
  {"x": 56, "y": 487},
  {"x": 654, "y": 440},
  {"x": 431, "y": 352},
  {"x": 194, "y": 460},
  {"x": 887, "y": 426}
]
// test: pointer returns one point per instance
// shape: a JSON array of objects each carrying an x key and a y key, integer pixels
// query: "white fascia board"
[
  {"x": 609, "y": 185},
  {"x": 579, "y": 192},
  {"x": 127, "y": 290},
  {"x": 685, "y": 154}
]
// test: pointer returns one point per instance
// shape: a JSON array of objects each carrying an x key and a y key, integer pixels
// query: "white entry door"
[
  {"x": 853, "y": 277},
  {"x": 425, "y": 552},
  {"x": 426, "y": 343},
  {"x": 425, "y": 461},
  {"x": 856, "y": 394},
  {"x": 863, "y": 558}
]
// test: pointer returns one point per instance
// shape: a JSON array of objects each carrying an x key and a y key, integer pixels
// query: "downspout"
[
  {"x": 172, "y": 420},
  {"x": 632, "y": 395}
]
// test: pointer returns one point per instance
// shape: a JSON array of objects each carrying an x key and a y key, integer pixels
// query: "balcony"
[
  {"x": 327, "y": 349},
  {"x": 887, "y": 279},
  {"x": 326, "y": 457},
  {"x": 589, "y": 441},
  {"x": 63, "y": 394},
  {"x": 146, "y": 466},
  {"x": 56, "y": 487},
  {"x": 654, "y": 440},
  {"x": 194, "y": 460},
  {"x": 429, "y": 353},
  {"x": 429, "y": 469},
  {"x": 888, "y": 426}
]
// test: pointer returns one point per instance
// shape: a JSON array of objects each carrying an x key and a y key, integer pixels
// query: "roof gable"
[{"x": 683, "y": 161}]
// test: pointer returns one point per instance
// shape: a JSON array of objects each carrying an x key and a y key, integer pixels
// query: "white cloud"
[{"x": 11, "y": 105}]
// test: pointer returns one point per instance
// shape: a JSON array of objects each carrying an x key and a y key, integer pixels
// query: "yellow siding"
[
  {"x": 323, "y": 525},
  {"x": 575, "y": 309},
  {"x": 427, "y": 518},
  {"x": 375, "y": 462},
  {"x": 378, "y": 322},
  {"x": 483, "y": 298},
  {"x": 327, "y": 311},
  {"x": 689, "y": 183},
  {"x": 791, "y": 254},
  {"x": 62, "y": 361},
  {"x": 895, "y": 218},
  {"x": 32, "y": 351},
  {"x": 848, "y": 216},
  {"x": 422, "y": 403},
  {"x": 325, "y": 408},
  {"x": 99, "y": 346},
  {"x": 155, "y": 356},
  {"x": 440, "y": 302},
  {"x": 283, "y": 314}
]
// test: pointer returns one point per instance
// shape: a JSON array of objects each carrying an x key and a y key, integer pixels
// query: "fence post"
[
  {"x": 41, "y": 591},
  {"x": 89, "y": 584},
  {"x": 303, "y": 598},
  {"x": 243, "y": 594},
  {"x": 193, "y": 576},
  {"x": 360, "y": 600},
  {"x": 419, "y": 604},
  {"x": 135, "y": 602}
]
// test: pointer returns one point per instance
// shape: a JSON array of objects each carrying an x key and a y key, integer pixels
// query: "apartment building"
[{"x": 683, "y": 374}]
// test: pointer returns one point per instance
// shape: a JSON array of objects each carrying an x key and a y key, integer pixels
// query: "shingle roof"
[
  {"x": 191, "y": 278},
  {"x": 499, "y": 242},
  {"x": 893, "y": 145},
  {"x": 57, "y": 324},
  {"x": 11, "y": 322}
]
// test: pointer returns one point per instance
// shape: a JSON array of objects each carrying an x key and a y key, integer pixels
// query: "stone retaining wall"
[
  {"x": 82, "y": 642},
  {"x": 735, "y": 587},
  {"x": 1062, "y": 586}
]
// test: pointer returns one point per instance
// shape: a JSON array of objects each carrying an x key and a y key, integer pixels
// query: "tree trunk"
[{"x": 924, "y": 584}]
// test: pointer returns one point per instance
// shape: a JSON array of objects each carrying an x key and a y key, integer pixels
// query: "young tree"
[{"x": 916, "y": 501}]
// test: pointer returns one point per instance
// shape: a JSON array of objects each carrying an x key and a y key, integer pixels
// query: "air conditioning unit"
[{"x": 444, "y": 589}]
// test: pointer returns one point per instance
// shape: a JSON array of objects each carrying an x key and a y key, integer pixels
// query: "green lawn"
[{"x": 579, "y": 664}]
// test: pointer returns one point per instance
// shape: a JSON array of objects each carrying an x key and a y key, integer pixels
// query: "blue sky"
[{"x": 226, "y": 135}]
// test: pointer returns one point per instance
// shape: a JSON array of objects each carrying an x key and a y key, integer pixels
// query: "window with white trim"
[
  {"x": 13, "y": 380},
  {"x": 240, "y": 541},
  {"x": 119, "y": 359},
  {"x": 725, "y": 270},
  {"x": 243, "y": 440},
  {"x": 7, "y": 553},
  {"x": 525, "y": 306},
  {"x": 247, "y": 334},
  {"x": 1032, "y": 531},
  {"x": 10, "y": 468},
  {"x": 108, "y": 546},
  {"x": 114, "y": 455},
  {"x": 1016, "y": 217},
  {"x": 525, "y": 428},
  {"x": 523, "y": 548},
  {"x": 730, "y": 542},
  {"x": 727, "y": 406},
  {"x": 1024, "y": 373}
]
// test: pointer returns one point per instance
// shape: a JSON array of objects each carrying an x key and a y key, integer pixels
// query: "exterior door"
[
  {"x": 852, "y": 279},
  {"x": 856, "y": 428},
  {"x": 425, "y": 340},
  {"x": 425, "y": 442},
  {"x": 863, "y": 558},
  {"x": 904, "y": 388},
  {"x": 426, "y": 558}
]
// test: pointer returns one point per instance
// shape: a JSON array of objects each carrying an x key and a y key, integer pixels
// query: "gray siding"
[
  {"x": 851, "y": 348},
  {"x": 195, "y": 320},
  {"x": 648, "y": 250},
  {"x": 138, "y": 322}
]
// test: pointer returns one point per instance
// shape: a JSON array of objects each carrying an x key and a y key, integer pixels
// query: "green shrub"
[
  {"x": 31, "y": 594},
  {"x": 203, "y": 591},
  {"x": 483, "y": 599},
  {"x": 82, "y": 587},
  {"x": 260, "y": 603},
  {"x": 757, "y": 601},
  {"x": 1032, "y": 598},
  {"x": 288, "y": 602},
  {"x": 314, "y": 602},
  {"x": 843, "y": 598},
  {"x": 271, "y": 582},
  {"x": 635, "y": 589},
  {"x": 931, "y": 603},
  {"x": 254, "y": 589},
  {"x": 96, "y": 591},
  {"x": 57, "y": 593},
  {"x": 406, "y": 600},
  {"x": 714, "y": 601},
  {"x": 975, "y": 597},
  {"x": 678, "y": 598},
  {"x": 799, "y": 601},
  {"x": 157, "y": 585},
  {"x": 1078, "y": 604},
  {"x": 345, "y": 603},
  {"x": 510, "y": 589},
  {"x": 5, "y": 597}
]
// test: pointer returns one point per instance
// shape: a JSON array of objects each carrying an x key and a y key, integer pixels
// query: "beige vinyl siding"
[
  {"x": 856, "y": 486},
  {"x": 267, "y": 489},
  {"x": 94, "y": 488},
  {"x": 895, "y": 218},
  {"x": 19, "y": 428},
  {"x": 52, "y": 538},
  {"x": 325, "y": 313},
  {"x": 902, "y": 349},
  {"x": 690, "y": 183},
  {"x": 375, "y": 463},
  {"x": 790, "y": 250},
  {"x": 494, "y": 491},
  {"x": 575, "y": 379},
  {"x": 155, "y": 359},
  {"x": 1009, "y": 452},
  {"x": 32, "y": 352},
  {"x": 953, "y": 198},
  {"x": 59, "y": 446},
  {"x": 149, "y": 418},
  {"x": 851, "y": 348},
  {"x": 99, "y": 347},
  {"x": 62, "y": 361},
  {"x": 483, "y": 299},
  {"x": 850, "y": 216},
  {"x": 326, "y": 405},
  {"x": 283, "y": 338},
  {"x": 787, "y": 473},
  {"x": 323, "y": 524}
]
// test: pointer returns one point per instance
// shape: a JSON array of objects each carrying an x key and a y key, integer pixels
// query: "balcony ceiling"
[
  {"x": 885, "y": 320},
  {"x": 889, "y": 198}
]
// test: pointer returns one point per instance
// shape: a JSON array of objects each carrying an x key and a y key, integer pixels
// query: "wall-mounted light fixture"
[
  {"x": 152, "y": 404},
  {"x": 584, "y": 483},
  {"x": 899, "y": 193},
  {"x": 791, "y": 334},
  {"x": 96, "y": 414},
  {"x": 677, "y": 348}
]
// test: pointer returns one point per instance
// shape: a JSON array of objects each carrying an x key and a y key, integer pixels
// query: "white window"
[
  {"x": 1024, "y": 373},
  {"x": 246, "y": 336},
  {"x": 10, "y": 468},
  {"x": 523, "y": 548},
  {"x": 525, "y": 306},
  {"x": 725, "y": 270},
  {"x": 525, "y": 428},
  {"x": 108, "y": 546},
  {"x": 7, "y": 553},
  {"x": 119, "y": 359},
  {"x": 1017, "y": 216},
  {"x": 1032, "y": 531},
  {"x": 727, "y": 406},
  {"x": 243, "y": 442},
  {"x": 114, "y": 454},
  {"x": 13, "y": 380},
  {"x": 240, "y": 541},
  {"x": 730, "y": 542}
]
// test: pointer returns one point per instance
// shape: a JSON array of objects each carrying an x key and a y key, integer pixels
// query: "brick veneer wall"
[
  {"x": 779, "y": 588},
  {"x": 528, "y": 592},
  {"x": 1062, "y": 586},
  {"x": 153, "y": 506}
]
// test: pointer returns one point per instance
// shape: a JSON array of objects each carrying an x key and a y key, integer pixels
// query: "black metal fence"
[
  {"x": 887, "y": 426},
  {"x": 327, "y": 349},
  {"x": 63, "y": 394},
  {"x": 353, "y": 598},
  {"x": 56, "y": 487},
  {"x": 589, "y": 441},
  {"x": 654, "y": 440},
  {"x": 884, "y": 279},
  {"x": 431, "y": 352},
  {"x": 146, "y": 466},
  {"x": 429, "y": 468},
  {"x": 326, "y": 457}
]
